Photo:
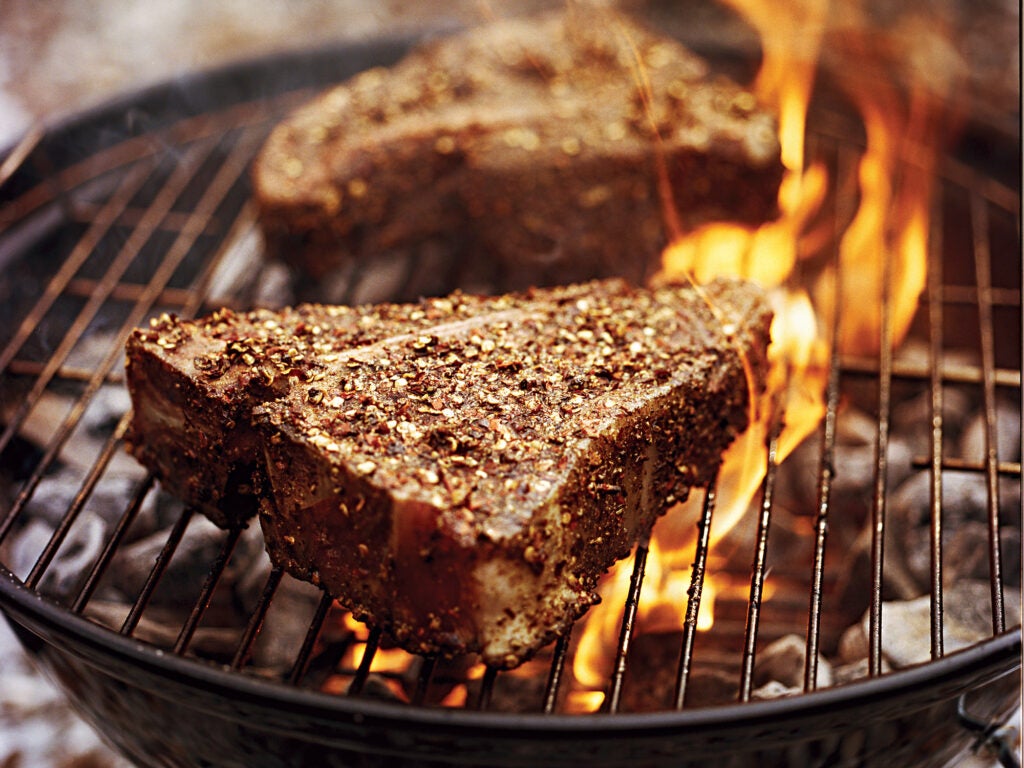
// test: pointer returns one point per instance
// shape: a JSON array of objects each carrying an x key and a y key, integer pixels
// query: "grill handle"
[{"x": 997, "y": 737}]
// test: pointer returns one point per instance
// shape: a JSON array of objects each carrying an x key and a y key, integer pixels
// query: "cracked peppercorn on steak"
[
  {"x": 536, "y": 141},
  {"x": 460, "y": 471}
]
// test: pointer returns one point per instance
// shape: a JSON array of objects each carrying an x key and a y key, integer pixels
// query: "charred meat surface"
[
  {"x": 461, "y": 471},
  {"x": 539, "y": 141}
]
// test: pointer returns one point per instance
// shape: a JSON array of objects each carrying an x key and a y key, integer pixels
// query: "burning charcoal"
[
  {"x": 912, "y": 419},
  {"x": 906, "y": 625},
  {"x": 852, "y": 656},
  {"x": 383, "y": 281},
  {"x": 650, "y": 680},
  {"x": 81, "y": 548},
  {"x": 198, "y": 549},
  {"x": 855, "y": 465},
  {"x": 161, "y": 627},
  {"x": 77, "y": 554},
  {"x": 783, "y": 662},
  {"x": 973, "y": 445},
  {"x": 287, "y": 621},
  {"x": 711, "y": 687},
  {"x": 853, "y": 645},
  {"x": 378, "y": 688},
  {"x": 57, "y": 492},
  {"x": 22, "y": 550},
  {"x": 704, "y": 688},
  {"x": 773, "y": 689},
  {"x": 853, "y": 593},
  {"x": 85, "y": 442},
  {"x": 965, "y": 527},
  {"x": 966, "y": 552},
  {"x": 511, "y": 693},
  {"x": 106, "y": 408},
  {"x": 273, "y": 288},
  {"x": 858, "y": 669},
  {"x": 18, "y": 459},
  {"x": 239, "y": 270}
]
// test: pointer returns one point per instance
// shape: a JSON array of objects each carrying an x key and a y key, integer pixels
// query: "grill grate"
[{"x": 147, "y": 223}]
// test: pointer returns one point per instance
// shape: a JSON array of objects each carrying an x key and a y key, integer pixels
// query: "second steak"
[{"x": 538, "y": 151}]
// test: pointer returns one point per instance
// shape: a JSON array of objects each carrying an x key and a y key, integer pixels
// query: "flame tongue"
[
  {"x": 883, "y": 254},
  {"x": 882, "y": 257}
]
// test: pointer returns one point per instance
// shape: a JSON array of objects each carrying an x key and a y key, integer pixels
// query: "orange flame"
[{"x": 884, "y": 245}]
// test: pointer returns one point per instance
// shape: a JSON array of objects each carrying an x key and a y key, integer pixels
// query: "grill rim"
[{"x": 986, "y": 660}]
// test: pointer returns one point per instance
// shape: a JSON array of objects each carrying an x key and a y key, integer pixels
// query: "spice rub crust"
[{"x": 461, "y": 471}]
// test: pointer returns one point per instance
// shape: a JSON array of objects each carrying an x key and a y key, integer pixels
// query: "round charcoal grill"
[{"x": 142, "y": 206}]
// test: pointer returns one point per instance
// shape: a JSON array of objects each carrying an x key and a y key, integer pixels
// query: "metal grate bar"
[
  {"x": 110, "y": 549},
  {"x": 555, "y": 672},
  {"x": 132, "y": 150},
  {"x": 20, "y": 153},
  {"x": 82, "y": 286},
  {"x": 636, "y": 581},
  {"x": 700, "y": 563},
  {"x": 935, "y": 339},
  {"x": 826, "y": 467},
  {"x": 130, "y": 184},
  {"x": 426, "y": 674},
  {"x": 252, "y": 629},
  {"x": 203, "y": 601},
  {"x": 983, "y": 270},
  {"x": 170, "y": 546},
  {"x": 1003, "y": 468},
  {"x": 64, "y": 373},
  {"x": 761, "y": 550},
  {"x": 227, "y": 176},
  {"x": 826, "y": 474},
  {"x": 968, "y": 294},
  {"x": 133, "y": 217},
  {"x": 950, "y": 372},
  {"x": 180, "y": 177},
  {"x": 301, "y": 663},
  {"x": 878, "y": 507},
  {"x": 366, "y": 662},
  {"x": 486, "y": 688},
  {"x": 60, "y": 533}
]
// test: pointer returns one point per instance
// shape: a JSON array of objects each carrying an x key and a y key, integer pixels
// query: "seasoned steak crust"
[
  {"x": 538, "y": 141},
  {"x": 461, "y": 471}
]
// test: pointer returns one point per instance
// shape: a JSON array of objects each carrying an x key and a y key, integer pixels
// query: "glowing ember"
[
  {"x": 584, "y": 701},
  {"x": 385, "y": 661}
]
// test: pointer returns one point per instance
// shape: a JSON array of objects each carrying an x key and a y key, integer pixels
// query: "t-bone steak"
[{"x": 459, "y": 471}]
